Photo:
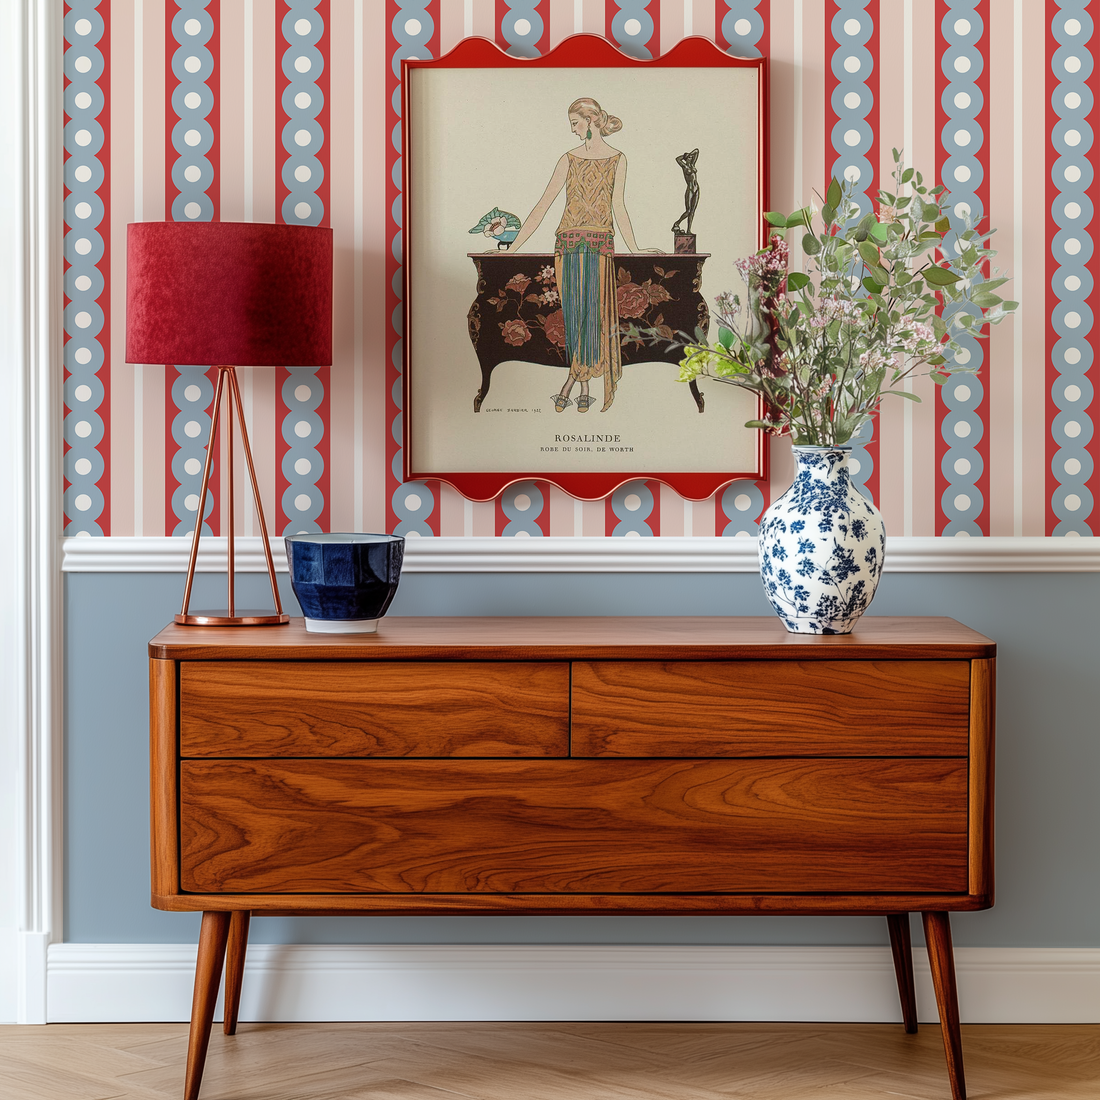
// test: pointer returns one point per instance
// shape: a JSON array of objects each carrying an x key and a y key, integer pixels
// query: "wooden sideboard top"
[{"x": 877, "y": 637}]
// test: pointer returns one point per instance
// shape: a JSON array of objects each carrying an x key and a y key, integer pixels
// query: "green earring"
[{"x": 589, "y": 135}]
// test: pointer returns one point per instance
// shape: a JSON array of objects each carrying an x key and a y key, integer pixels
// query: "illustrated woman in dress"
[{"x": 594, "y": 178}]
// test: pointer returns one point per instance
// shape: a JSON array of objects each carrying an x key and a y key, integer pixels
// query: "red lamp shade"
[{"x": 234, "y": 293}]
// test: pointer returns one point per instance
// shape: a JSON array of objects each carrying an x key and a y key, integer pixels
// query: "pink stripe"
[
  {"x": 121, "y": 443},
  {"x": 672, "y": 512},
  {"x": 997, "y": 375},
  {"x": 485, "y": 19},
  {"x": 787, "y": 193},
  {"x": 595, "y": 22},
  {"x": 561, "y": 511},
  {"x": 1029, "y": 283},
  {"x": 672, "y": 23},
  {"x": 154, "y": 504},
  {"x": 702, "y": 18},
  {"x": 485, "y": 518},
  {"x": 376, "y": 247},
  {"x": 890, "y": 424},
  {"x": 450, "y": 25},
  {"x": 341, "y": 216},
  {"x": 925, "y": 141},
  {"x": 562, "y": 25},
  {"x": 232, "y": 130},
  {"x": 782, "y": 467},
  {"x": 451, "y": 511},
  {"x": 154, "y": 451}
]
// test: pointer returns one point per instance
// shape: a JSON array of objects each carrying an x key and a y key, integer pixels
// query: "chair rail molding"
[
  {"x": 1001, "y": 554},
  {"x": 30, "y": 497}
]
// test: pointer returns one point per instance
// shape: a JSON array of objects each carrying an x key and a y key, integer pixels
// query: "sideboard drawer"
[
  {"x": 573, "y": 826},
  {"x": 766, "y": 708},
  {"x": 378, "y": 708}
]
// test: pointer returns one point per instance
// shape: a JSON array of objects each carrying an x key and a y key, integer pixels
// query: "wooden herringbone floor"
[{"x": 593, "y": 1061}]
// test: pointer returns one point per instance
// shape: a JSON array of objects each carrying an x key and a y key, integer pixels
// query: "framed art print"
[{"x": 565, "y": 217}]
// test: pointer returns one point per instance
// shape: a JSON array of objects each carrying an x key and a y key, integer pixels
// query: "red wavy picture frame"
[{"x": 578, "y": 51}]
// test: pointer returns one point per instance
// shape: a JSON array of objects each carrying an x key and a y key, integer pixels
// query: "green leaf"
[
  {"x": 1008, "y": 307},
  {"x": 725, "y": 337},
  {"x": 811, "y": 245},
  {"x": 833, "y": 195},
  {"x": 880, "y": 275},
  {"x": 939, "y": 276},
  {"x": 872, "y": 286},
  {"x": 796, "y": 280},
  {"x": 986, "y": 301},
  {"x": 929, "y": 237},
  {"x": 878, "y": 233},
  {"x": 943, "y": 225},
  {"x": 869, "y": 253},
  {"x": 828, "y": 214},
  {"x": 799, "y": 217},
  {"x": 939, "y": 377},
  {"x": 864, "y": 227},
  {"x": 906, "y": 394},
  {"x": 907, "y": 175},
  {"x": 930, "y": 211},
  {"x": 773, "y": 217},
  {"x": 758, "y": 424}
]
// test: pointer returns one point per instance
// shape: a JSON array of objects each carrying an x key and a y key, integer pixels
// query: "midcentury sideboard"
[{"x": 572, "y": 765}]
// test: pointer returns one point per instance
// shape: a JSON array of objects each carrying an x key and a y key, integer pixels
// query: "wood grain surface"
[
  {"x": 396, "y": 708},
  {"x": 573, "y": 826},
  {"x": 522, "y": 638},
  {"x": 527, "y": 905},
  {"x": 770, "y": 708},
  {"x": 983, "y": 699},
  {"x": 163, "y": 778}
]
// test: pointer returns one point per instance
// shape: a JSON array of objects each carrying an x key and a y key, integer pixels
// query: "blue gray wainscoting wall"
[{"x": 1048, "y": 753}]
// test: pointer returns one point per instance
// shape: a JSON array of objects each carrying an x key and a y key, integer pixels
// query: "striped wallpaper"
[{"x": 288, "y": 110}]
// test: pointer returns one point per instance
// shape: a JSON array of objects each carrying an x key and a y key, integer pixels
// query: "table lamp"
[{"x": 229, "y": 294}]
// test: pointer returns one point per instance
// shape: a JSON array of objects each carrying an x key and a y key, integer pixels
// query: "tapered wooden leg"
[
  {"x": 234, "y": 968},
  {"x": 901, "y": 944},
  {"x": 937, "y": 934},
  {"x": 208, "y": 976}
]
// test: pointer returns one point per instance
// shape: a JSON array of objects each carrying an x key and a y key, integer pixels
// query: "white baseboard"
[
  {"x": 99, "y": 983},
  {"x": 668, "y": 554},
  {"x": 9, "y": 975}
]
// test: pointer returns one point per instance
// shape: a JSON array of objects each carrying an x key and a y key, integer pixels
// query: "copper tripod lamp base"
[{"x": 232, "y": 615}]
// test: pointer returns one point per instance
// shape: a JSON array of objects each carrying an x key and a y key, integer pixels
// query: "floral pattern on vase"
[{"x": 822, "y": 545}]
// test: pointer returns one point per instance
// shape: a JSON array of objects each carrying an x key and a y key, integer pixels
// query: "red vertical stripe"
[
  {"x": 872, "y": 190},
  {"x": 1052, "y": 9},
  {"x": 653, "y": 9},
  {"x": 104, "y": 300},
  {"x": 982, "y": 193},
  {"x": 171, "y": 192},
  {"x": 393, "y": 264},
  {"x": 763, "y": 9},
  {"x": 1093, "y": 302},
  {"x": 65, "y": 483},
  {"x": 654, "y": 520},
  {"x": 323, "y": 446},
  {"x": 502, "y": 9}
]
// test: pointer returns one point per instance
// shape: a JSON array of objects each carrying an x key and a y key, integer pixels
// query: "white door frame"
[{"x": 31, "y": 227}]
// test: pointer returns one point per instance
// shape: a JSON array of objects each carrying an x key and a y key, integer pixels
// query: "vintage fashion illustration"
[{"x": 594, "y": 179}]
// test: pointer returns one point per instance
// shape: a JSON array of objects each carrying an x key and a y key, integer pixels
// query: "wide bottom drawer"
[{"x": 573, "y": 826}]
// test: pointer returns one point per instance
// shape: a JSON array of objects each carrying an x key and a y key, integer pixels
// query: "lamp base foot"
[{"x": 242, "y": 617}]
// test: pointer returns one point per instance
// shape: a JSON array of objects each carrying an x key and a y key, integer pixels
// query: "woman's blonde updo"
[{"x": 596, "y": 115}]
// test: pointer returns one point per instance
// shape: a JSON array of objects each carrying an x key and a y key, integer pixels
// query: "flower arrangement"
[{"x": 823, "y": 349}]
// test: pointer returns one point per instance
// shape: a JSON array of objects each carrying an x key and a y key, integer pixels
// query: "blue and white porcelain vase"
[{"x": 821, "y": 546}]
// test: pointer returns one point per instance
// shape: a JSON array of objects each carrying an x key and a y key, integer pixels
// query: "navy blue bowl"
[{"x": 344, "y": 582}]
